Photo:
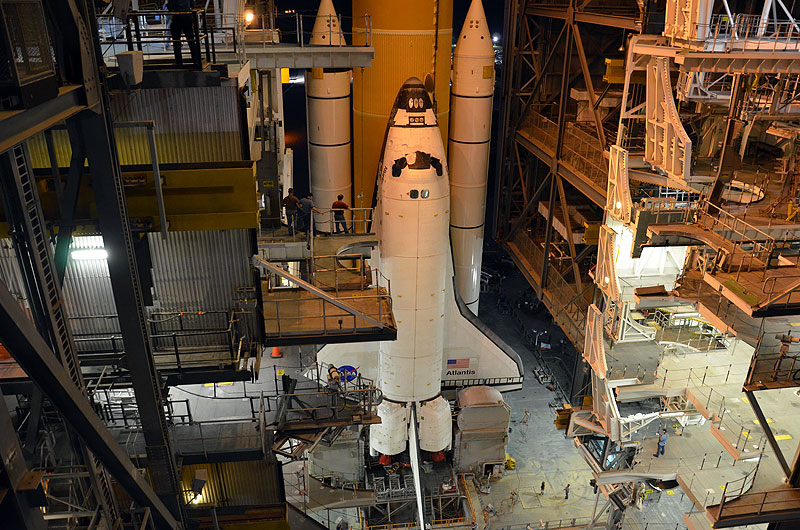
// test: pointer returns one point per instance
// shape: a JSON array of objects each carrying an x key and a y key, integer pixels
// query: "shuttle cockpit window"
[
  {"x": 425, "y": 194},
  {"x": 414, "y": 194}
]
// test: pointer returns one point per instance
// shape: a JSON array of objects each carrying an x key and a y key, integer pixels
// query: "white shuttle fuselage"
[
  {"x": 413, "y": 218},
  {"x": 437, "y": 335}
]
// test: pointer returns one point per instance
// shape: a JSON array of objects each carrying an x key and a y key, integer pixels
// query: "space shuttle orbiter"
[{"x": 437, "y": 336}]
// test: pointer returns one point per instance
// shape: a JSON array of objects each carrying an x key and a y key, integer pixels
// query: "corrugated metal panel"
[
  {"x": 192, "y": 271},
  {"x": 86, "y": 291},
  {"x": 197, "y": 124},
  {"x": 193, "y": 124},
  {"x": 9, "y": 270},
  {"x": 88, "y": 297},
  {"x": 253, "y": 483},
  {"x": 200, "y": 270},
  {"x": 37, "y": 149}
]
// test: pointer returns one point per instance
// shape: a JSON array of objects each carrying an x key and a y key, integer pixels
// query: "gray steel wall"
[
  {"x": 192, "y": 271},
  {"x": 201, "y": 270}
]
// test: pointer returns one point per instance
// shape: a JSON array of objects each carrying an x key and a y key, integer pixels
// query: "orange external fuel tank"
[{"x": 412, "y": 38}]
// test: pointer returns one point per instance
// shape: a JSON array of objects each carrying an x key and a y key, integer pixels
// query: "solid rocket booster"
[
  {"x": 328, "y": 111},
  {"x": 412, "y": 217},
  {"x": 468, "y": 149}
]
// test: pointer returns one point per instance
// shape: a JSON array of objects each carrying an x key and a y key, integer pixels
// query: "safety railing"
[
  {"x": 567, "y": 305},
  {"x": 333, "y": 273},
  {"x": 148, "y": 31},
  {"x": 580, "y": 149},
  {"x": 748, "y": 32},
  {"x": 482, "y": 381},
  {"x": 344, "y": 399},
  {"x": 553, "y": 524},
  {"x": 297, "y": 29},
  {"x": 202, "y": 437},
  {"x": 699, "y": 336},
  {"x": 752, "y": 248},
  {"x": 179, "y": 339},
  {"x": 736, "y": 488},
  {"x": 753, "y": 505},
  {"x": 335, "y": 478},
  {"x": 735, "y": 433},
  {"x": 297, "y": 312},
  {"x": 297, "y": 317},
  {"x": 125, "y": 412},
  {"x": 666, "y": 210},
  {"x": 189, "y": 321},
  {"x": 774, "y": 365},
  {"x": 681, "y": 377},
  {"x": 350, "y": 221},
  {"x": 786, "y": 296},
  {"x": 774, "y": 98},
  {"x": 357, "y": 221},
  {"x": 733, "y": 227}
]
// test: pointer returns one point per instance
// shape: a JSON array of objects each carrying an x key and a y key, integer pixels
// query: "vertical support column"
[
  {"x": 16, "y": 509},
  {"x": 562, "y": 124},
  {"x": 69, "y": 203},
  {"x": 720, "y": 179},
  {"x": 117, "y": 239}
]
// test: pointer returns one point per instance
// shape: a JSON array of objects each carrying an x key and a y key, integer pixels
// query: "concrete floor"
[{"x": 541, "y": 451}]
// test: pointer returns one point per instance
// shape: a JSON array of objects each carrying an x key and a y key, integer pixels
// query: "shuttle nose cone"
[
  {"x": 412, "y": 97},
  {"x": 475, "y": 39}
]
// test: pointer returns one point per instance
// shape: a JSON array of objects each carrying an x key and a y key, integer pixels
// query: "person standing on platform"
[
  {"x": 662, "y": 443},
  {"x": 566, "y": 492},
  {"x": 338, "y": 207},
  {"x": 183, "y": 23},
  {"x": 290, "y": 203},
  {"x": 306, "y": 208}
]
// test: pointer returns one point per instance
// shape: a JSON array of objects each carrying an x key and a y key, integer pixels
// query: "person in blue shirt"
[
  {"x": 183, "y": 23},
  {"x": 306, "y": 206},
  {"x": 662, "y": 443}
]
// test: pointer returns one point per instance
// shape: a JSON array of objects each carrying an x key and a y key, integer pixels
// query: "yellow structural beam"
[{"x": 202, "y": 197}]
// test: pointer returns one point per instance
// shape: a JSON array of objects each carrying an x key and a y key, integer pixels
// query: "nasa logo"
[{"x": 350, "y": 372}]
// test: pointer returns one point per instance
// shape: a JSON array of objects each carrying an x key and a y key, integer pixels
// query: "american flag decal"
[{"x": 457, "y": 363}]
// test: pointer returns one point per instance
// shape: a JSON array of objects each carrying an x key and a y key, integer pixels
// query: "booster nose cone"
[
  {"x": 474, "y": 39},
  {"x": 326, "y": 31}
]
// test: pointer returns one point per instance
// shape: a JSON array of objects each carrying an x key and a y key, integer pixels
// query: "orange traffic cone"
[{"x": 276, "y": 352}]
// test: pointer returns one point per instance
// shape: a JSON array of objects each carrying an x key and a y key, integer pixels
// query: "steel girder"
[
  {"x": 112, "y": 211},
  {"x": 17, "y": 509},
  {"x": 32, "y": 353}
]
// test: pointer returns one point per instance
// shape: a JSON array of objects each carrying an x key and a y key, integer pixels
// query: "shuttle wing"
[{"x": 473, "y": 353}]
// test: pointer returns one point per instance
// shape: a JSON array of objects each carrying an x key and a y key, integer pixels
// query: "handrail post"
[{"x": 302, "y": 44}]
